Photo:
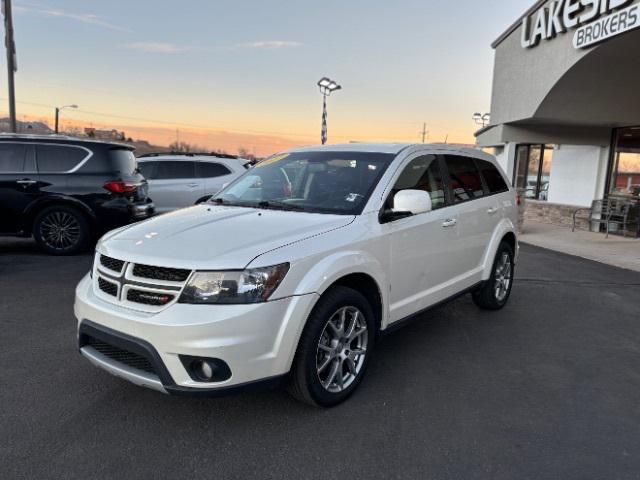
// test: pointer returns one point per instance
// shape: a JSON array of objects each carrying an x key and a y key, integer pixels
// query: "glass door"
[{"x": 625, "y": 169}]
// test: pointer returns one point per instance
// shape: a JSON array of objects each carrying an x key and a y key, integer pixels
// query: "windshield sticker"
[
  {"x": 352, "y": 197},
  {"x": 272, "y": 160}
]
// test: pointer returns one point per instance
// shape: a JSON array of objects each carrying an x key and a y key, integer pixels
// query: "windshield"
[{"x": 322, "y": 182}]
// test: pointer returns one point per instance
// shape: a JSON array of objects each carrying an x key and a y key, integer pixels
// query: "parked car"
[
  {"x": 294, "y": 271},
  {"x": 179, "y": 180},
  {"x": 66, "y": 192}
]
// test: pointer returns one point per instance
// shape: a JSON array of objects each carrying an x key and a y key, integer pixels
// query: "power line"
[{"x": 310, "y": 137}]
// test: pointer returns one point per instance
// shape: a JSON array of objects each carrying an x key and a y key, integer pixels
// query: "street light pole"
[
  {"x": 327, "y": 87},
  {"x": 482, "y": 119},
  {"x": 12, "y": 66},
  {"x": 58, "y": 115}
]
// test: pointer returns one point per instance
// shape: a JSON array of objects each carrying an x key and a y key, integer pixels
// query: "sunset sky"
[{"x": 242, "y": 73}]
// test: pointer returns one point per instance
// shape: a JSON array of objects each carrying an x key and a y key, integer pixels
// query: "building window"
[
  {"x": 532, "y": 172},
  {"x": 625, "y": 178}
]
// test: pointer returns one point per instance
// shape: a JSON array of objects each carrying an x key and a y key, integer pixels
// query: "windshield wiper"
[{"x": 280, "y": 205}]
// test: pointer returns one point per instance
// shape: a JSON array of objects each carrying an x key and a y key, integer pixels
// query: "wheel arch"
[
  {"x": 366, "y": 285},
  {"x": 35, "y": 208},
  {"x": 505, "y": 231}
]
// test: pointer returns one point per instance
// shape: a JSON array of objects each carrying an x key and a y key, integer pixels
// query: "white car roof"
[
  {"x": 393, "y": 148},
  {"x": 195, "y": 158}
]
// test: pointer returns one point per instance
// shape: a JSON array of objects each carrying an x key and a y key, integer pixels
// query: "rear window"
[
  {"x": 492, "y": 177},
  {"x": 12, "y": 157},
  {"x": 466, "y": 182},
  {"x": 123, "y": 161},
  {"x": 59, "y": 158}
]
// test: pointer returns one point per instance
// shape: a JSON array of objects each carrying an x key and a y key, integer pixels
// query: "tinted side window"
[
  {"x": 423, "y": 173},
  {"x": 466, "y": 182},
  {"x": 58, "y": 159},
  {"x": 12, "y": 157},
  {"x": 211, "y": 170},
  {"x": 174, "y": 169},
  {"x": 148, "y": 169},
  {"x": 492, "y": 177}
]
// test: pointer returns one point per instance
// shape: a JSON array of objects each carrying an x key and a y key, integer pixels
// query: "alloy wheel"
[
  {"x": 342, "y": 349},
  {"x": 60, "y": 230},
  {"x": 502, "y": 277}
]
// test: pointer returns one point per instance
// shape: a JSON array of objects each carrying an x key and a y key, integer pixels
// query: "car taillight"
[{"x": 121, "y": 187}]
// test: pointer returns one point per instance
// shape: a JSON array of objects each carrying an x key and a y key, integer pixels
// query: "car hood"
[{"x": 210, "y": 237}]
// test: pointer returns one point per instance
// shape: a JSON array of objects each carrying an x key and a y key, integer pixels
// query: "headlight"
[{"x": 234, "y": 287}]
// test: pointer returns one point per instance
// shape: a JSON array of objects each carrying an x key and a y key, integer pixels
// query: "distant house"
[{"x": 112, "y": 135}]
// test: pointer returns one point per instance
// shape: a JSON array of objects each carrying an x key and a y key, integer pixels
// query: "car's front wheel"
[
  {"x": 495, "y": 292},
  {"x": 61, "y": 230},
  {"x": 334, "y": 349}
]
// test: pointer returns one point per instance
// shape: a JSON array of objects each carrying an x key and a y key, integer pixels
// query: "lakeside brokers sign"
[{"x": 560, "y": 16}]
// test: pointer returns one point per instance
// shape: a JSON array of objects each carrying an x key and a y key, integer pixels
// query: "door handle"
[
  {"x": 193, "y": 185},
  {"x": 451, "y": 222},
  {"x": 26, "y": 182},
  {"x": 492, "y": 210}
]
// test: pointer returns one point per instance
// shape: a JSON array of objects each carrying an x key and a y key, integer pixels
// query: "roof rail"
[{"x": 188, "y": 154}]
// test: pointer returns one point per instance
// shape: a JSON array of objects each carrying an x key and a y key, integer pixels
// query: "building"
[
  {"x": 565, "y": 109},
  {"x": 107, "y": 135}
]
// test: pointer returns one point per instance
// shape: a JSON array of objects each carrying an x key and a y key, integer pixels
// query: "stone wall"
[{"x": 552, "y": 213}]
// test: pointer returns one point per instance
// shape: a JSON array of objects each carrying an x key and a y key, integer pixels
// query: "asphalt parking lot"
[{"x": 547, "y": 388}]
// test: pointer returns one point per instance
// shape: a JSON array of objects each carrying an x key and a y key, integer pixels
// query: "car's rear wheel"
[
  {"x": 495, "y": 292},
  {"x": 61, "y": 230},
  {"x": 334, "y": 349}
]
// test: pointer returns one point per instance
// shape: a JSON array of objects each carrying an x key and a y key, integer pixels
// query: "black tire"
[
  {"x": 75, "y": 230},
  {"x": 305, "y": 383},
  {"x": 488, "y": 296}
]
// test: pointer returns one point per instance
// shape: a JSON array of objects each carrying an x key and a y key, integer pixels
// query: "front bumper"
[{"x": 257, "y": 342}]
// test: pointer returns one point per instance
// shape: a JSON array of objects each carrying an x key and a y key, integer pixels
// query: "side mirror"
[{"x": 413, "y": 202}]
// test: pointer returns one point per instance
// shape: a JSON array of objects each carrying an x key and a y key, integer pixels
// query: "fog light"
[{"x": 204, "y": 370}]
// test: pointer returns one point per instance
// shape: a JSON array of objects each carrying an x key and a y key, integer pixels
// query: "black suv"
[{"x": 66, "y": 191}]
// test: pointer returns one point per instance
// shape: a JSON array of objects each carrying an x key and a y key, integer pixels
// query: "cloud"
[
  {"x": 270, "y": 44},
  {"x": 170, "y": 48},
  {"x": 156, "y": 47},
  {"x": 49, "y": 12}
]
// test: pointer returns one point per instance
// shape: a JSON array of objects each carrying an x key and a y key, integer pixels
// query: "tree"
[
  {"x": 245, "y": 153},
  {"x": 184, "y": 147}
]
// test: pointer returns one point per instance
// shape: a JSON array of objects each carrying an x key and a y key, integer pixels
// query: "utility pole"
[
  {"x": 425, "y": 132},
  {"x": 446, "y": 139},
  {"x": 12, "y": 64},
  {"x": 57, "y": 120}
]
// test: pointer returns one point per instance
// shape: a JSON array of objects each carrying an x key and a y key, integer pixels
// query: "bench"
[{"x": 611, "y": 211}]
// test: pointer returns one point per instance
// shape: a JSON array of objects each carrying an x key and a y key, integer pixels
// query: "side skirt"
[{"x": 413, "y": 317}]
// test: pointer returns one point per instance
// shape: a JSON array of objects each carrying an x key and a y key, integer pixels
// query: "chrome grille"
[
  {"x": 111, "y": 263},
  {"x": 108, "y": 287},
  {"x": 140, "y": 287},
  {"x": 149, "y": 298},
  {"x": 161, "y": 273}
]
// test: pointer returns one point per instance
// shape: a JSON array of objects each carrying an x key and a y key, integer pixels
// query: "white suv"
[
  {"x": 179, "y": 180},
  {"x": 295, "y": 270}
]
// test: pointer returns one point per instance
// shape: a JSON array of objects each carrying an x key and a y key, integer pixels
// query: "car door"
[
  {"x": 173, "y": 184},
  {"x": 421, "y": 246},
  {"x": 474, "y": 216},
  {"x": 19, "y": 184},
  {"x": 215, "y": 176},
  {"x": 495, "y": 185}
]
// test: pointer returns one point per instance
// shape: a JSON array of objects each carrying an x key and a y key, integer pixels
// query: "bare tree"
[{"x": 184, "y": 147}]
